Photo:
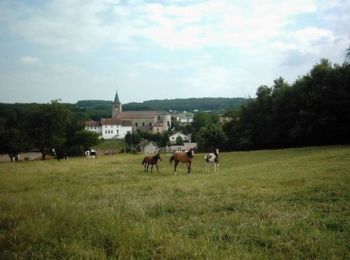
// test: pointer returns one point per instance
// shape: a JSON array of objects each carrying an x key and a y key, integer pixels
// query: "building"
[
  {"x": 184, "y": 118},
  {"x": 123, "y": 122},
  {"x": 144, "y": 121},
  {"x": 185, "y": 138},
  {"x": 109, "y": 128}
]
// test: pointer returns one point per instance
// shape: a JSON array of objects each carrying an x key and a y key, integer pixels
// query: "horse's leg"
[
  {"x": 188, "y": 167},
  {"x": 152, "y": 167},
  {"x": 157, "y": 167},
  {"x": 176, "y": 162}
]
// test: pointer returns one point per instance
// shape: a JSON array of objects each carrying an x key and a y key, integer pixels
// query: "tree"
[
  {"x": 211, "y": 137},
  {"x": 46, "y": 127},
  {"x": 13, "y": 138},
  {"x": 179, "y": 140}
]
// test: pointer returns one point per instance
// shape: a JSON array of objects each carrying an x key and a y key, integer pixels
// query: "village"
[{"x": 154, "y": 122}]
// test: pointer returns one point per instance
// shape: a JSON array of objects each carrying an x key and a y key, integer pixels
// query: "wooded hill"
[{"x": 189, "y": 104}]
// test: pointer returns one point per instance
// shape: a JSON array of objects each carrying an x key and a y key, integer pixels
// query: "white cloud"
[
  {"x": 83, "y": 26},
  {"x": 30, "y": 60}
]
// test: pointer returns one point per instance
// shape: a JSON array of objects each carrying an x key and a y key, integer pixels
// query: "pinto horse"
[
  {"x": 151, "y": 160},
  {"x": 212, "y": 158},
  {"x": 185, "y": 157}
]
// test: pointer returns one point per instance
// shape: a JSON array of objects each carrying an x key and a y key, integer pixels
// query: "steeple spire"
[
  {"x": 117, "y": 106},
  {"x": 116, "y": 99}
]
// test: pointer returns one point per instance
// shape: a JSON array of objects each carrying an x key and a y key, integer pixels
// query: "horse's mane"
[{"x": 190, "y": 153}]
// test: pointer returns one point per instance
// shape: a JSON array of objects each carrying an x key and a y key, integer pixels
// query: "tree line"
[
  {"x": 314, "y": 110},
  {"x": 43, "y": 127}
]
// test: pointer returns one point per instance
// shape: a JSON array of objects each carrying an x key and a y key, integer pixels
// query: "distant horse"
[
  {"x": 185, "y": 157},
  {"x": 90, "y": 154},
  {"x": 59, "y": 154},
  {"x": 151, "y": 160},
  {"x": 212, "y": 158}
]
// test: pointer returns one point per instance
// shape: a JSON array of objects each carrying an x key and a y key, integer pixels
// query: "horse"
[
  {"x": 90, "y": 154},
  {"x": 212, "y": 158},
  {"x": 185, "y": 157},
  {"x": 59, "y": 154},
  {"x": 151, "y": 160}
]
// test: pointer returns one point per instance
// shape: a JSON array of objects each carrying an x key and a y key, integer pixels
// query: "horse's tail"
[
  {"x": 171, "y": 158},
  {"x": 144, "y": 161}
]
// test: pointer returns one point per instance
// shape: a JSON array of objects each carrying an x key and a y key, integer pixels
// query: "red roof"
[
  {"x": 139, "y": 114},
  {"x": 115, "y": 121},
  {"x": 91, "y": 123}
]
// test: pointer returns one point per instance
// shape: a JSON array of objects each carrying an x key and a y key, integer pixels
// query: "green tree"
[
  {"x": 46, "y": 127},
  {"x": 13, "y": 138},
  {"x": 179, "y": 140},
  {"x": 211, "y": 137}
]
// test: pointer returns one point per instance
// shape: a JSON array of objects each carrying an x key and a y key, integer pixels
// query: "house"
[
  {"x": 173, "y": 137},
  {"x": 184, "y": 118},
  {"x": 109, "y": 128},
  {"x": 114, "y": 128}
]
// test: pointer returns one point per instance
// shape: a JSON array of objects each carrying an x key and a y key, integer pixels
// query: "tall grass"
[{"x": 291, "y": 203}]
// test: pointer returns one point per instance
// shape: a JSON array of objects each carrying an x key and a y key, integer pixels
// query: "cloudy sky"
[{"x": 74, "y": 50}]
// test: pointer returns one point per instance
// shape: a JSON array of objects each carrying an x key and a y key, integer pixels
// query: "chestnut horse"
[
  {"x": 212, "y": 158},
  {"x": 185, "y": 157},
  {"x": 151, "y": 160}
]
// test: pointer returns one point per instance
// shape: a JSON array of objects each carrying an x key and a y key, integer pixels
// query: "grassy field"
[{"x": 292, "y": 203}]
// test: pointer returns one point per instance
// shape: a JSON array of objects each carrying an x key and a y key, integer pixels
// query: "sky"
[{"x": 87, "y": 50}]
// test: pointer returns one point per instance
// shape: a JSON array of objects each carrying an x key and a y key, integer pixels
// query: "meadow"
[{"x": 277, "y": 204}]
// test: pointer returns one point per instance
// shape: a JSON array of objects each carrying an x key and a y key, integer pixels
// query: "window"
[
  {"x": 111, "y": 131},
  {"x": 117, "y": 131},
  {"x": 143, "y": 123},
  {"x": 150, "y": 124},
  {"x": 105, "y": 131},
  {"x": 136, "y": 124},
  {"x": 159, "y": 118}
]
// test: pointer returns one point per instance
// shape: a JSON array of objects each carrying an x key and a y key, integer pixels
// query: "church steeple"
[
  {"x": 117, "y": 106},
  {"x": 116, "y": 99}
]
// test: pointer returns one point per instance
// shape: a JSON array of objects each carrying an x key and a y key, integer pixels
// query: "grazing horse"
[
  {"x": 185, "y": 157},
  {"x": 212, "y": 158},
  {"x": 151, "y": 160},
  {"x": 59, "y": 154}
]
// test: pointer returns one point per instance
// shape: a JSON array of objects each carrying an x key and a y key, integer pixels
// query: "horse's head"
[
  {"x": 157, "y": 157},
  {"x": 216, "y": 151},
  {"x": 190, "y": 153}
]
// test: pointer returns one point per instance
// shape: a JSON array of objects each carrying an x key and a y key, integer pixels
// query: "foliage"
[
  {"x": 315, "y": 110},
  {"x": 179, "y": 140},
  {"x": 43, "y": 127},
  {"x": 277, "y": 204}
]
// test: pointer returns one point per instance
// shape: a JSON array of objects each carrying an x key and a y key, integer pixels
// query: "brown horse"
[
  {"x": 151, "y": 160},
  {"x": 185, "y": 157}
]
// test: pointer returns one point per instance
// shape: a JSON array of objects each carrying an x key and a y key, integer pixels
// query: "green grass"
[{"x": 279, "y": 204}]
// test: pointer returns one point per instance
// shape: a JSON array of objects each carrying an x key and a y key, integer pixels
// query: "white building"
[
  {"x": 113, "y": 128},
  {"x": 184, "y": 118},
  {"x": 110, "y": 128},
  {"x": 173, "y": 137}
]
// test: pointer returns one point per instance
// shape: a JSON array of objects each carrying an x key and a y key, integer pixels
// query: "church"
[{"x": 123, "y": 122}]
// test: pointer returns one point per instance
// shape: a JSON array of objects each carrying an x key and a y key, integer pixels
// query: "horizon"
[{"x": 156, "y": 50}]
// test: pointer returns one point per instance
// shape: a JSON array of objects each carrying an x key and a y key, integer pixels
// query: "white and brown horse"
[
  {"x": 184, "y": 157},
  {"x": 212, "y": 158}
]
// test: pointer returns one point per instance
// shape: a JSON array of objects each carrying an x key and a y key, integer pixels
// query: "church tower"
[{"x": 117, "y": 106}]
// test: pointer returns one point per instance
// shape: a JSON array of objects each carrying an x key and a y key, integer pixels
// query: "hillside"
[
  {"x": 189, "y": 104},
  {"x": 279, "y": 204}
]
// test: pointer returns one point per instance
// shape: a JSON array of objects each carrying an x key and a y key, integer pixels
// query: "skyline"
[{"x": 86, "y": 50}]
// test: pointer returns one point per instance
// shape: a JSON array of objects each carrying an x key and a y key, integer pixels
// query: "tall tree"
[{"x": 46, "y": 127}]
